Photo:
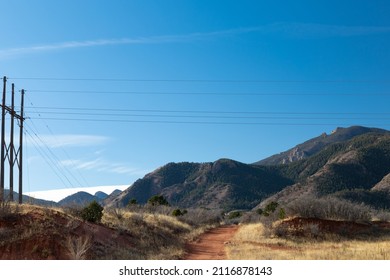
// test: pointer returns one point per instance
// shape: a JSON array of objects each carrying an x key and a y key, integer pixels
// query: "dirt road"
[{"x": 211, "y": 244}]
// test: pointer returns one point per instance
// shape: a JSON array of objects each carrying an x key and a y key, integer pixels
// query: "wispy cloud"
[
  {"x": 281, "y": 28},
  {"x": 101, "y": 165},
  {"x": 123, "y": 41},
  {"x": 309, "y": 30},
  {"x": 68, "y": 140}
]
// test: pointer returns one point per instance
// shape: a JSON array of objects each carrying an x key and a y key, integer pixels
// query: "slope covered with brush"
[{"x": 223, "y": 184}]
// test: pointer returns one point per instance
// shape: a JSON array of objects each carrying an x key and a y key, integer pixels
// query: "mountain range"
[
  {"x": 352, "y": 163},
  {"x": 82, "y": 198},
  {"x": 78, "y": 199},
  {"x": 317, "y": 144}
]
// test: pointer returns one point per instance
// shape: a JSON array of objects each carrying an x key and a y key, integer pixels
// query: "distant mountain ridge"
[
  {"x": 78, "y": 199},
  {"x": 225, "y": 184},
  {"x": 29, "y": 199},
  {"x": 316, "y": 144},
  {"x": 82, "y": 198},
  {"x": 357, "y": 170},
  {"x": 349, "y": 163}
]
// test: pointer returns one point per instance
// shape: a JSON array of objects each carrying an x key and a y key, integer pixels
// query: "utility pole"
[
  {"x": 11, "y": 148},
  {"x": 21, "y": 150},
  {"x": 9, "y": 152},
  {"x": 2, "y": 141}
]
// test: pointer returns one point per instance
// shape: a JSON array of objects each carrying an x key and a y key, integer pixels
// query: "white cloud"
[
  {"x": 68, "y": 140},
  {"x": 324, "y": 30},
  {"x": 286, "y": 28},
  {"x": 122, "y": 169},
  {"x": 102, "y": 165}
]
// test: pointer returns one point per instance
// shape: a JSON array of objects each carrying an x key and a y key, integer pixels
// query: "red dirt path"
[{"x": 211, "y": 244}]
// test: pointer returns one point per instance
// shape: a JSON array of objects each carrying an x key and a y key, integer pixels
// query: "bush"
[
  {"x": 133, "y": 201},
  {"x": 330, "y": 208},
  {"x": 201, "y": 217},
  {"x": 282, "y": 214},
  {"x": 269, "y": 209},
  {"x": 78, "y": 247},
  {"x": 178, "y": 212},
  {"x": 92, "y": 213},
  {"x": 158, "y": 200},
  {"x": 259, "y": 211},
  {"x": 5, "y": 209},
  {"x": 234, "y": 214}
]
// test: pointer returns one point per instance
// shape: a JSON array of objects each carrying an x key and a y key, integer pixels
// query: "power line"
[
  {"x": 45, "y": 157},
  {"x": 56, "y": 161},
  {"x": 202, "y": 117},
  {"x": 64, "y": 151},
  {"x": 199, "y": 80},
  {"x": 198, "y": 122},
  {"x": 204, "y": 111},
  {"x": 212, "y": 93},
  {"x": 211, "y": 117}
]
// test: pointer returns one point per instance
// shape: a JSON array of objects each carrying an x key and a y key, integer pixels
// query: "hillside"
[
  {"x": 30, "y": 232},
  {"x": 351, "y": 163},
  {"x": 34, "y": 232},
  {"x": 223, "y": 184},
  {"x": 29, "y": 199},
  {"x": 81, "y": 199},
  {"x": 356, "y": 170},
  {"x": 317, "y": 144}
]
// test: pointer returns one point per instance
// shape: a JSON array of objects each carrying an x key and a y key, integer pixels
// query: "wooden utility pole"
[
  {"x": 2, "y": 142},
  {"x": 11, "y": 148},
  {"x": 10, "y": 152},
  {"x": 21, "y": 150}
]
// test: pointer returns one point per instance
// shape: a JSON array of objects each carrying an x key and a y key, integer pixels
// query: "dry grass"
[
  {"x": 252, "y": 242},
  {"x": 78, "y": 247},
  {"x": 35, "y": 232},
  {"x": 156, "y": 235}
]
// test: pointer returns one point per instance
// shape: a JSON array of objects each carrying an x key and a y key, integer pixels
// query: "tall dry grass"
[
  {"x": 253, "y": 243},
  {"x": 156, "y": 233},
  {"x": 78, "y": 247}
]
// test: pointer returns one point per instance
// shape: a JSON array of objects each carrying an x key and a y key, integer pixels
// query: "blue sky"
[{"x": 116, "y": 89}]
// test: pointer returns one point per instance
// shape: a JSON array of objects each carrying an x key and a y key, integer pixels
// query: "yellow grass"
[
  {"x": 251, "y": 242},
  {"x": 157, "y": 236}
]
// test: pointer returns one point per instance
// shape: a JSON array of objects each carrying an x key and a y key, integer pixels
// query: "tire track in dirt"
[{"x": 211, "y": 244}]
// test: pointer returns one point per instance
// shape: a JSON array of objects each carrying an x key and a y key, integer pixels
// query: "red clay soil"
[
  {"x": 42, "y": 235},
  {"x": 211, "y": 244}
]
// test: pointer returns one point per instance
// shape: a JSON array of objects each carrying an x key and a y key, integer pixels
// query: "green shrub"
[
  {"x": 282, "y": 213},
  {"x": 158, "y": 200},
  {"x": 133, "y": 201},
  {"x": 178, "y": 212},
  {"x": 92, "y": 213},
  {"x": 234, "y": 214},
  {"x": 268, "y": 210},
  {"x": 271, "y": 207}
]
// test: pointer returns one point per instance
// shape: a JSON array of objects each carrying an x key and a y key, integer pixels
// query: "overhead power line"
[
  {"x": 212, "y": 116},
  {"x": 199, "y": 80},
  {"x": 203, "y": 122},
  {"x": 52, "y": 164},
  {"x": 55, "y": 160},
  {"x": 73, "y": 164},
  {"x": 312, "y": 93},
  {"x": 45, "y": 108}
]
